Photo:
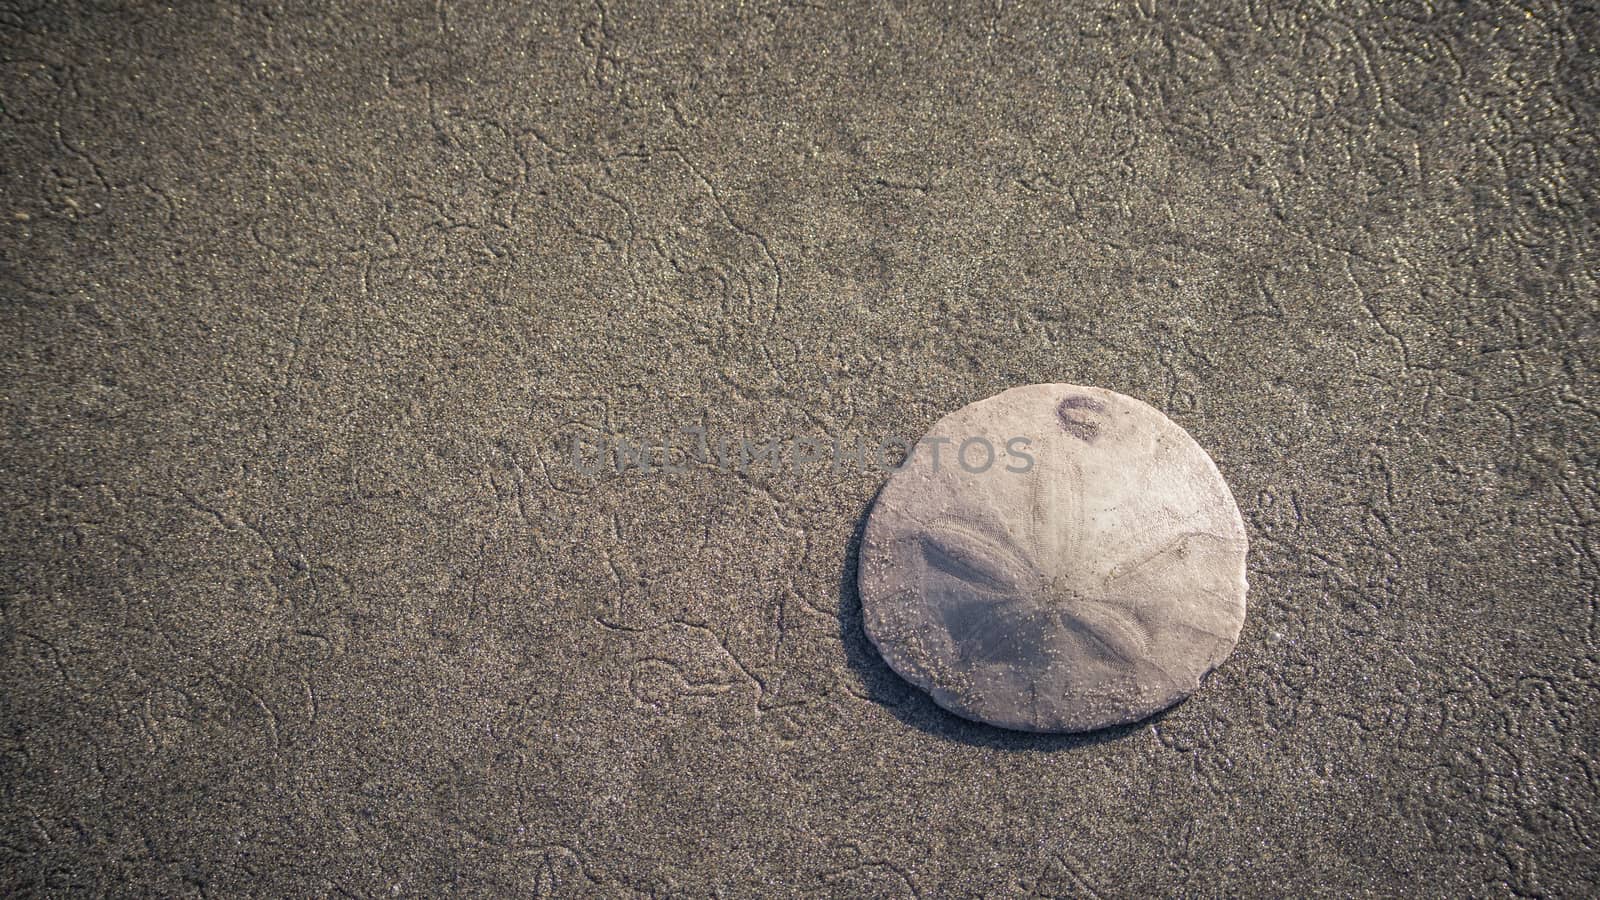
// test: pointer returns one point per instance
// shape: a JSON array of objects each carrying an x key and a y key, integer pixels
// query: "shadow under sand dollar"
[{"x": 914, "y": 706}]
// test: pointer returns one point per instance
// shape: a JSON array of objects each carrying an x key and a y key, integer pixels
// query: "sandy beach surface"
[{"x": 306, "y": 305}]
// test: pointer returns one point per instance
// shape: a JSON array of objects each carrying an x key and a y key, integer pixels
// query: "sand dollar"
[{"x": 1089, "y": 575}]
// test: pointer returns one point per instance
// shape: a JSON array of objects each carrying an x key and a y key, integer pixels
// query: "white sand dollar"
[{"x": 1089, "y": 577}]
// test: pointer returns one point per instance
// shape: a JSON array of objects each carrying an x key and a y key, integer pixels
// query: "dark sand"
[{"x": 301, "y": 597}]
